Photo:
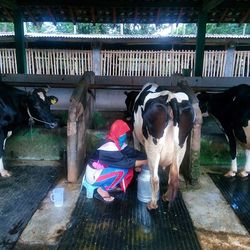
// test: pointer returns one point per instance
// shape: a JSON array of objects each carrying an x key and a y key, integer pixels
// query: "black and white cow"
[
  {"x": 17, "y": 108},
  {"x": 232, "y": 109},
  {"x": 162, "y": 123}
]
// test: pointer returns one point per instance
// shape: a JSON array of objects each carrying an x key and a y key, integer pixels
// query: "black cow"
[
  {"x": 162, "y": 123},
  {"x": 232, "y": 109},
  {"x": 17, "y": 108}
]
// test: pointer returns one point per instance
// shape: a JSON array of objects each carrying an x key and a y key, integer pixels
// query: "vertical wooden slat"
[{"x": 248, "y": 64}]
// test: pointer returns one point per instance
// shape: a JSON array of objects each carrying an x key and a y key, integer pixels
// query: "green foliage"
[
  {"x": 98, "y": 121},
  {"x": 139, "y": 29},
  {"x": 129, "y": 29},
  {"x": 65, "y": 27},
  {"x": 6, "y": 27},
  {"x": 41, "y": 27},
  {"x": 229, "y": 28},
  {"x": 89, "y": 28}
]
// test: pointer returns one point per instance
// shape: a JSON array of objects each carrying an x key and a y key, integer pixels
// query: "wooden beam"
[
  {"x": 114, "y": 14},
  {"x": 10, "y": 4},
  {"x": 179, "y": 16},
  {"x": 211, "y": 4},
  {"x": 223, "y": 15},
  {"x": 93, "y": 15},
  {"x": 120, "y": 4},
  {"x": 8, "y": 14},
  {"x": 245, "y": 17},
  {"x": 200, "y": 43},
  {"x": 31, "y": 16},
  {"x": 51, "y": 15},
  {"x": 158, "y": 15},
  {"x": 72, "y": 15},
  {"x": 19, "y": 39},
  {"x": 135, "y": 15}
]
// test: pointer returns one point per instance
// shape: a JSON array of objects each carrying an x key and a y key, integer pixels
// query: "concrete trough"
[{"x": 36, "y": 146}]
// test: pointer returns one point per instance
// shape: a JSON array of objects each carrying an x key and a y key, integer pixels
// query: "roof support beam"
[
  {"x": 200, "y": 43},
  {"x": 19, "y": 39},
  {"x": 211, "y": 4}
]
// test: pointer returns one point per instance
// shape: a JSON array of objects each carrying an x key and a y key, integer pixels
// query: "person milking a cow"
[{"x": 111, "y": 167}]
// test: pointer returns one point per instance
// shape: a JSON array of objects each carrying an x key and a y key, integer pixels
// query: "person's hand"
[
  {"x": 140, "y": 163},
  {"x": 138, "y": 169}
]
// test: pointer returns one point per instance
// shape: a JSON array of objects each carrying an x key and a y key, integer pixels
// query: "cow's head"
[
  {"x": 203, "y": 98},
  {"x": 38, "y": 108}
]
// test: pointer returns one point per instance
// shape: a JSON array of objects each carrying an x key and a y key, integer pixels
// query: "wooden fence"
[
  {"x": 145, "y": 63},
  {"x": 124, "y": 63},
  {"x": 8, "y": 63},
  {"x": 241, "y": 63},
  {"x": 58, "y": 62}
]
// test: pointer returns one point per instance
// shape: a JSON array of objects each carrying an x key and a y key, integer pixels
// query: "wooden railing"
[
  {"x": 8, "y": 63},
  {"x": 145, "y": 63},
  {"x": 124, "y": 63},
  {"x": 58, "y": 62},
  {"x": 214, "y": 63},
  {"x": 241, "y": 63}
]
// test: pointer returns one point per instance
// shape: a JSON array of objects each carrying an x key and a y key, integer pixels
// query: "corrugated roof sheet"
[{"x": 101, "y": 36}]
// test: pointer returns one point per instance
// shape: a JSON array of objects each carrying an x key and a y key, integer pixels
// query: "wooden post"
[
  {"x": 192, "y": 157},
  {"x": 229, "y": 61},
  {"x": 78, "y": 121},
  {"x": 200, "y": 43},
  {"x": 19, "y": 39},
  {"x": 96, "y": 59}
]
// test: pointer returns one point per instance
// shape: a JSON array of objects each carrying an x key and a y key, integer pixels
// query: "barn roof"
[
  {"x": 239, "y": 40},
  {"x": 127, "y": 11}
]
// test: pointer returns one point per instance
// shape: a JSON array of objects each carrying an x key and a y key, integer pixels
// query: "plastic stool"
[{"x": 89, "y": 188}]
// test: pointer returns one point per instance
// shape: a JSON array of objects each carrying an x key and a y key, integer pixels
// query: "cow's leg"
[
  {"x": 136, "y": 142},
  {"x": 173, "y": 183},
  {"x": 3, "y": 172},
  {"x": 173, "y": 178},
  {"x": 232, "y": 145},
  {"x": 246, "y": 170},
  {"x": 153, "y": 163}
]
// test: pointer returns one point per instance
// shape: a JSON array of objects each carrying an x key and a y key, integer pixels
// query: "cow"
[
  {"x": 17, "y": 108},
  {"x": 231, "y": 109},
  {"x": 162, "y": 121}
]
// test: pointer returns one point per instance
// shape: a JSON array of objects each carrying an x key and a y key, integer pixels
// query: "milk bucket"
[{"x": 144, "y": 189}]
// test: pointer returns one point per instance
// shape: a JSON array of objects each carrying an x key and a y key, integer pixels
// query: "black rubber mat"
[
  {"x": 127, "y": 224},
  {"x": 237, "y": 193},
  {"x": 21, "y": 195}
]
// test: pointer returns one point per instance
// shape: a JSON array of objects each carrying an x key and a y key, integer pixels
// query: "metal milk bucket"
[{"x": 144, "y": 189}]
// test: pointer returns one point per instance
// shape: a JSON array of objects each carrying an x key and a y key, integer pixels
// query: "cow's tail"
[{"x": 175, "y": 108}]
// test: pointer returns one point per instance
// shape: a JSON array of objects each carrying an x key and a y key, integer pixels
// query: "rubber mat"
[
  {"x": 236, "y": 191},
  {"x": 21, "y": 195},
  {"x": 127, "y": 224}
]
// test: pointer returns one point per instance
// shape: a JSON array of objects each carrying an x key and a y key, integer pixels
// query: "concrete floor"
[
  {"x": 216, "y": 225},
  {"x": 49, "y": 222}
]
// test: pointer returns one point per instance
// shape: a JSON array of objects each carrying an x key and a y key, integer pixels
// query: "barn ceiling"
[{"x": 126, "y": 11}]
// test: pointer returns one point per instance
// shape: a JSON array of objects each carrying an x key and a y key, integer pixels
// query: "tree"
[
  {"x": 6, "y": 27},
  {"x": 139, "y": 29},
  {"x": 225, "y": 28},
  {"x": 65, "y": 27}
]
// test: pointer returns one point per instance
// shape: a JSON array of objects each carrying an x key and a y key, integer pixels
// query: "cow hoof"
[
  {"x": 5, "y": 173},
  {"x": 243, "y": 174},
  {"x": 151, "y": 205},
  {"x": 230, "y": 174}
]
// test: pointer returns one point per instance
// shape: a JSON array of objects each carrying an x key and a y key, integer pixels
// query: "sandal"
[{"x": 100, "y": 198}]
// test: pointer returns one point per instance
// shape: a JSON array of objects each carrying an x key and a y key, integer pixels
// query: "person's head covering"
[{"x": 118, "y": 129}]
